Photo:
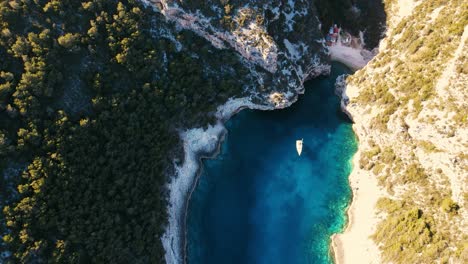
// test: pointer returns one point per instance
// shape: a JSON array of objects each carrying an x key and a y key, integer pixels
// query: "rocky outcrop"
[
  {"x": 340, "y": 91},
  {"x": 280, "y": 59}
]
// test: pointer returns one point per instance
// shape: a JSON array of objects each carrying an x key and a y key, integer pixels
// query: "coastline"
[
  {"x": 354, "y": 58},
  {"x": 354, "y": 241},
  {"x": 201, "y": 144},
  {"x": 189, "y": 195},
  {"x": 198, "y": 144}
]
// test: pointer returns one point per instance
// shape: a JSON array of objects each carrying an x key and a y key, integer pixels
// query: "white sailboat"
[{"x": 299, "y": 146}]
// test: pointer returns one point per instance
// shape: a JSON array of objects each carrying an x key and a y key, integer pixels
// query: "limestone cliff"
[
  {"x": 409, "y": 107},
  {"x": 279, "y": 41}
]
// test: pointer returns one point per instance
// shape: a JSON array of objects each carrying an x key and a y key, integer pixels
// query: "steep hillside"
[
  {"x": 409, "y": 105},
  {"x": 279, "y": 41}
]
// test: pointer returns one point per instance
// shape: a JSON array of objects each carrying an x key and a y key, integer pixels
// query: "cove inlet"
[{"x": 258, "y": 201}]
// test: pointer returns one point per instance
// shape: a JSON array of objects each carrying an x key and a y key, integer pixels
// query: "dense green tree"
[
  {"x": 92, "y": 188},
  {"x": 69, "y": 41},
  {"x": 4, "y": 144}
]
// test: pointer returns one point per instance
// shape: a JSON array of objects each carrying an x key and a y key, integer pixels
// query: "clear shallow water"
[{"x": 258, "y": 201}]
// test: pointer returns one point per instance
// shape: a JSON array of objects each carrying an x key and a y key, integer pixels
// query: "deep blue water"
[{"x": 258, "y": 201}]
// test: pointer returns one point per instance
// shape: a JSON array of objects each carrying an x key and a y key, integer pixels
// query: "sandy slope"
[
  {"x": 351, "y": 57},
  {"x": 354, "y": 244}
]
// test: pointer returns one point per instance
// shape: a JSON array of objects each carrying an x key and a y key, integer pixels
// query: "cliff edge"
[{"x": 409, "y": 107}]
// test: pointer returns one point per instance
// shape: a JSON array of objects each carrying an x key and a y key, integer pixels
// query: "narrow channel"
[{"x": 258, "y": 201}]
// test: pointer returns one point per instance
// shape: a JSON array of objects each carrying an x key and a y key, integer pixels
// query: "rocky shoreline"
[
  {"x": 286, "y": 66},
  {"x": 198, "y": 144},
  {"x": 174, "y": 240},
  {"x": 201, "y": 144}
]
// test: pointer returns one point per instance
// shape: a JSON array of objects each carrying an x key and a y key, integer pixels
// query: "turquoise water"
[{"x": 258, "y": 201}]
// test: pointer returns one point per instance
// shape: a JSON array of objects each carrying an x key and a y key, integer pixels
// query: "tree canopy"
[{"x": 91, "y": 102}]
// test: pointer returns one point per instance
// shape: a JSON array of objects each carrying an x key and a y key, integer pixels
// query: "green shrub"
[
  {"x": 403, "y": 234},
  {"x": 449, "y": 206},
  {"x": 413, "y": 173},
  {"x": 427, "y": 146},
  {"x": 366, "y": 156}
]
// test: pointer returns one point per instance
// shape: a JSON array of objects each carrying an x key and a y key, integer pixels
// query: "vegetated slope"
[
  {"x": 410, "y": 108},
  {"x": 92, "y": 97}
]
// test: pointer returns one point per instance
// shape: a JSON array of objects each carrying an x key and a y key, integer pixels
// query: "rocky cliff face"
[
  {"x": 279, "y": 41},
  {"x": 409, "y": 105}
]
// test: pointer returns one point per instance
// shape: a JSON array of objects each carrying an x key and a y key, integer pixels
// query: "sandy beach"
[
  {"x": 354, "y": 56},
  {"x": 354, "y": 245},
  {"x": 351, "y": 57}
]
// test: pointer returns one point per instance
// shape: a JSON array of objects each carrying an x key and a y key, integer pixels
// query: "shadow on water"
[
  {"x": 367, "y": 16},
  {"x": 309, "y": 153},
  {"x": 343, "y": 117}
]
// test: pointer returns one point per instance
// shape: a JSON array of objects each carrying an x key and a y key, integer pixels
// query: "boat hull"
[{"x": 299, "y": 146}]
